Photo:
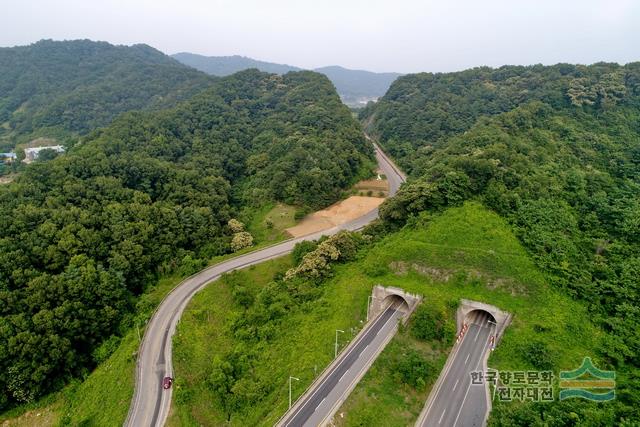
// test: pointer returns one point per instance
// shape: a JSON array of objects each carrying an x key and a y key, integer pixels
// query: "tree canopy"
[
  {"x": 555, "y": 150},
  {"x": 84, "y": 234},
  {"x": 64, "y": 89}
]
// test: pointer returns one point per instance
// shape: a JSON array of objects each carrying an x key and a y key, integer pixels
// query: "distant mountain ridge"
[
  {"x": 355, "y": 87},
  {"x": 226, "y": 65}
]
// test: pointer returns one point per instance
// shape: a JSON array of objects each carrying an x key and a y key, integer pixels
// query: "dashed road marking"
[{"x": 442, "y": 416}]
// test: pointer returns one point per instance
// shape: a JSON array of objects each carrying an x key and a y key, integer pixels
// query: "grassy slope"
[
  {"x": 281, "y": 216},
  {"x": 103, "y": 398},
  {"x": 483, "y": 261},
  {"x": 468, "y": 252}
]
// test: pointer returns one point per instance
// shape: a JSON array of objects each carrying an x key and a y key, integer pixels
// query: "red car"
[{"x": 166, "y": 383}]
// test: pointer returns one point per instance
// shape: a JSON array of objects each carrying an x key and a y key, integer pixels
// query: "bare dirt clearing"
[{"x": 336, "y": 214}]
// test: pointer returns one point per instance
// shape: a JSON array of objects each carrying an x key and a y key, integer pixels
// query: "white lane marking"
[
  {"x": 467, "y": 359},
  {"x": 359, "y": 338},
  {"x": 345, "y": 373},
  {"x": 484, "y": 349},
  {"x": 476, "y": 338},
  {"x": 456, "y": 384},
  {"x": 460, "y": 410},
  {"x": 445, "y": 372},
  {"x": 320, "y": 404},
  {"x": 441, "y": 416},
  {"x": 364, "y": 349}
]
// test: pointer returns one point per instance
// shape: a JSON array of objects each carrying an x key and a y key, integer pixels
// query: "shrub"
[
  {"x": 538, "y": 354},
  {"x": 241, "y": 240},
  {"x": 106, "y": 349},
  {"x": 301, "y": 249},
  {"x": 300, "y": 213},
  {"x": 190, "y": 265},
  {"x": 414, "y": 369},
  {"x": 428, "y": 323},
  {"x": 317, "y": 263},
  {"x": 235, "y": 225}
]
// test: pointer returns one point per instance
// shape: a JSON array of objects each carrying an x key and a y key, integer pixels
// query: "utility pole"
[
  {"x": 336, "y": 352},
  {"x": 291, "y": 378}
]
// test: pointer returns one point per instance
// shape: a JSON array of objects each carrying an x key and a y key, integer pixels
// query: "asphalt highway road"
[
  {"x": 457, "y": 401},
  {"x": 320, "y": 402},
  {"x": 150, "y": 403}
]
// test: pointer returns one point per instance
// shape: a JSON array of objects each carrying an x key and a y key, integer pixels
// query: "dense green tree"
[
  {"x": 84, "y": 234},
  {"x": 65, "y": 89},
  {"x": 428, "y": 323},
  {"x": 555, "y": 150}
]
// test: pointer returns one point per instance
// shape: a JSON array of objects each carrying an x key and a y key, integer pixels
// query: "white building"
[
  {"x": 7, "y": 157},
  {"x": 31, "y": 154}
]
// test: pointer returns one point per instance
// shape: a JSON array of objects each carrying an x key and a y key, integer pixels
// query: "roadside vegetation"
[
  {"x": 85, "y": 235},
  {"x": 554, "y": 151},
  {"x": 239, "y": 375},
  {"x": 103, "y": 397}
]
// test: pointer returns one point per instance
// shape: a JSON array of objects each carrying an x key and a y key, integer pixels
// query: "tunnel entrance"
[
  {"x": 480, "y": 317},
  {"x": 482, "y": 314},
  {"x": 382, "y": 297},
  {"x": 396, "y": 300}
]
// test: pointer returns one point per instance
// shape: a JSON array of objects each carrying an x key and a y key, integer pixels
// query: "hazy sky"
[{"x": 391, "y": 35}]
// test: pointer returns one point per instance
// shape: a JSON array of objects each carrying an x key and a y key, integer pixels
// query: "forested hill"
[
  {"x": 84, "y": 234},
  {"x": 355, "y": 87},
  {"x": 556, "y": 151},
  {"x": 423, "y": 110},
  {"x": 62, "y": 88}
]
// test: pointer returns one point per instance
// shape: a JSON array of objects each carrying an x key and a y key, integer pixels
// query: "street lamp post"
[
  {"x": 291, "y": 378},
  {"x": 336, "y": 352}
]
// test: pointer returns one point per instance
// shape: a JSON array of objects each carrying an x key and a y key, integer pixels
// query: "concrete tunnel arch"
[
  {"x": 474, "y": 310},
  {"x": 400, "y": 301},
  {"x": 479, "y": 315},
  {"x": 382, "y": 297}
]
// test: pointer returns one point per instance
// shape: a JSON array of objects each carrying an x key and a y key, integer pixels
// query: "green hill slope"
[
  {"x": 227, "y": 65},
  {"x": 84, "y": 235},
  {"x": 266, "y": 328},
  {"x": 355, "y": 87},
  {"x": 57, "y": 89},
  {"x": 555, "y": 151}
]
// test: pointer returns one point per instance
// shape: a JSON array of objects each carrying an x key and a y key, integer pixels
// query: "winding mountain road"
[{"x": 150, "y": 403}]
